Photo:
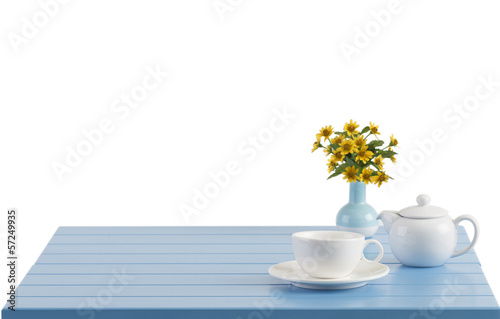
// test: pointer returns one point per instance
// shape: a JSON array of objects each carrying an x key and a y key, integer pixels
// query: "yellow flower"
[
  {"x": 328, "y": 150},
  {"x": 378, "y": 161},
  {"x": 339, "y": 157},
  {"x": 366, "y": 175},
  {"x": 380, "y": 178},
  {"x": 393, "y": 159},
  {"x": 315, "y": 146},
  {"x": 346, "y": 147},
  {"x": 350, "y": 174},
  {"x": 394, "y": 142},
  {"x": 359, "y": 141},
  {"x": 374, "y": 129},
  {"x": 325, "y": 132},
  {"x": 332, "y": 162},
  {"x": 350, "y": 128},
  {"x": 364, "y": 154},
  {"x": 318, "y": 137},
  {"x": 338, "y": 139}
]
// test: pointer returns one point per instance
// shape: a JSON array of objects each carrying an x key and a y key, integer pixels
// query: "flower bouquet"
[{"x": 358, "y": 156}]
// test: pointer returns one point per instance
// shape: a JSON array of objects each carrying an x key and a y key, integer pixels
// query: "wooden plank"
[
  {"x": 206, "y": 230},
  {"x": 228, "y": 279},
  {"x": 188, "y": 269},
  {"x": 169, "y": 249},
  {"x": 126, "y": 290},
  {"x": 191, "y": 239},
  {"x": 186, "y": 249},
  {"x": 204, "y": 258},
  {"x": 290, "y": 301}
]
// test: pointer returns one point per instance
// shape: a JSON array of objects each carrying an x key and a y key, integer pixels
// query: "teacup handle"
[
  {"x": 476, "y": 233},
  {"x": 380, "y": 251}
]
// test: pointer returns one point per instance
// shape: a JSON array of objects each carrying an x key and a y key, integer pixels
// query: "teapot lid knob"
[
  {"x": 423, "y": 200},
  {"x": 424, "y": 210}
]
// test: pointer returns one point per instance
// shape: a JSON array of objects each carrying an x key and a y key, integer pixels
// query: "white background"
[{"x": 226, "y": 76}]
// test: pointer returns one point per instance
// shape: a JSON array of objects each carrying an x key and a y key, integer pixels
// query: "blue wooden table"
[{"x": 221, "y": 272}]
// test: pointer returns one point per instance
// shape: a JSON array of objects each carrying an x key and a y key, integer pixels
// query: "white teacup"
[{"x": 331, "y": 254}]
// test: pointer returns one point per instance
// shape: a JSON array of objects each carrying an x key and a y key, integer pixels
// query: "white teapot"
[{"x": 425, "y": 235}]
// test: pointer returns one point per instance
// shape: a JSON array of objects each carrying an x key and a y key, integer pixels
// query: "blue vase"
[{"x": 357, "y": 215}]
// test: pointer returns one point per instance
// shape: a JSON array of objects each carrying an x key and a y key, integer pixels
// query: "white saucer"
[{"x": 291, "y": 271}]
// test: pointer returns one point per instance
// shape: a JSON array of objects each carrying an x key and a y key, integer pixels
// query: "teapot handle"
[{"x": 476, "y": 233}]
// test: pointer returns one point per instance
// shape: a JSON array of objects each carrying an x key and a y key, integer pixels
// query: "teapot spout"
[{"x": 388, "y": 217}]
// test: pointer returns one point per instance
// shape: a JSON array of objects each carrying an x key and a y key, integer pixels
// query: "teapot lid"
[{"x": 423, "y": 210}]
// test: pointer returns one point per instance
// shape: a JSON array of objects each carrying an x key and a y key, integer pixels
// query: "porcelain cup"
[{"x": 331, "y": 254}]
